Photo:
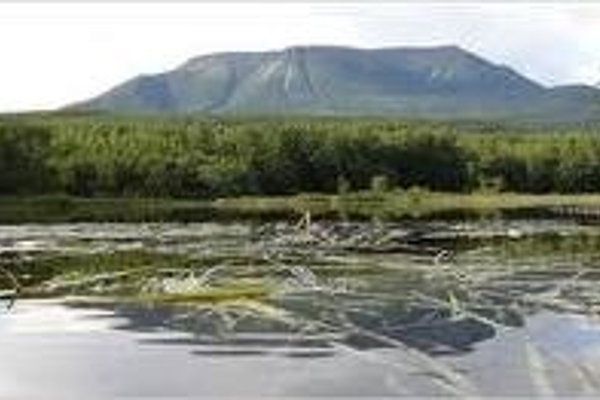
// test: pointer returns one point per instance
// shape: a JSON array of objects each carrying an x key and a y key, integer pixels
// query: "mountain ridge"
[{"x": 437, "y": 82}]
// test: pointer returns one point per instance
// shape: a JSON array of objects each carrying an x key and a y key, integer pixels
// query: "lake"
[{"x": 483, "y": 307}]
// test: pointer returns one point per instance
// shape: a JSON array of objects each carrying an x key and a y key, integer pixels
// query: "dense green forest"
[{"x": 96, "y": 155}]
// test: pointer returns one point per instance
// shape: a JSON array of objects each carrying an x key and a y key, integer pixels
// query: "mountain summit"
[{"x": 437, "y": 82}]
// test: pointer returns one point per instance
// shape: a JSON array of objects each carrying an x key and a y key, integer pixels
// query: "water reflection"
[
  {"x": 431, "y": 330},
  {"x": 348, "y": 308},
  {"x": 372, "y": 285},
  {"x": 495, "y": 278}
]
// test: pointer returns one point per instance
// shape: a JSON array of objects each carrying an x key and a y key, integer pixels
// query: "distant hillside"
[{"x": 437, "y": 82}]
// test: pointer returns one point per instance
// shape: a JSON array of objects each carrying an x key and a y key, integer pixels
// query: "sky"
[{"x": 53, "y": 54}]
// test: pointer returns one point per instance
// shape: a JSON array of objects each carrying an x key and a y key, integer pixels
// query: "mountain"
[{"x": 438, "y": 82}]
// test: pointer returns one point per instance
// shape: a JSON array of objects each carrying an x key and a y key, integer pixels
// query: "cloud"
[{"x": 551, "y": 42}]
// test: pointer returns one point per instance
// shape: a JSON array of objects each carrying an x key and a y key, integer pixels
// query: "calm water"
[{"x": 513, "y": 311}]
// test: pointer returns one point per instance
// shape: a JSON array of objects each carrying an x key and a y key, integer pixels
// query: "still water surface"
[{"x": 362, "y": 336}]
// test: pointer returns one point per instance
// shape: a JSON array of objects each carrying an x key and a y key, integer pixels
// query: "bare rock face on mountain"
[{"x": 437, "y": 82}]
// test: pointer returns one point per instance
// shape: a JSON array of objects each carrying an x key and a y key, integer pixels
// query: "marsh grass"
[
  {"x": 62, "y": 208},
  {"x": 382, "y": 204},
  {"x": 397, "y": 203},
  {"x": 235, "y": 292}
]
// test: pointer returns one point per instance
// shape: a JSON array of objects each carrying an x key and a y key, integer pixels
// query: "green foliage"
[
  {"x": 24, "y": 155},
  {"x": 185, "y": 157},
  {"x": 415, "y": 195},
  {"x": 343, "y": 186},
  {"x": 380, "y": 184}
]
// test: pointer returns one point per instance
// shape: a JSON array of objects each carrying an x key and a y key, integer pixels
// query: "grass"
[
  {"x": 54, "y": 209},
  {"x": 56, "y": 274},
  {"x": 363, "y": 204},
  {"x": 209, "y": 295},
  {"x": 404, "y": 203}
]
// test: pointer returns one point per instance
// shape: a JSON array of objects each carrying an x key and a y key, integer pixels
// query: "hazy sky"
[{"x": 53, "y": 54}]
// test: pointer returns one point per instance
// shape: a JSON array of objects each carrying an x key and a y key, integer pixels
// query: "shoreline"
[{"x": 412, "y": 203}]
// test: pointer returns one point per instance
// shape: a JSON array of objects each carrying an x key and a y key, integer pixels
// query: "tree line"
[{"x": 95, "y": 155}]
